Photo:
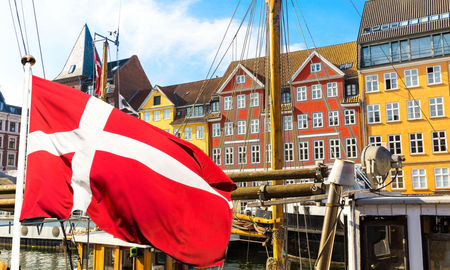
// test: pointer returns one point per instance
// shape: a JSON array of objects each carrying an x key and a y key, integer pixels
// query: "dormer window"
[
  {"x": 156, "y": 100},
  {"x": 215, "y": 106},
  {"x": 315, "y": 67},
  {"x": 196, "y": 111},
  {"x": 240, "y": 79},
  {"x": 72, "y": 69}
]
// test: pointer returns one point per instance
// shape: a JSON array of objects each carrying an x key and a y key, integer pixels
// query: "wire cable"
[
  {"x": 15, "y": 29},
  {"x": 39, "y": 38}
]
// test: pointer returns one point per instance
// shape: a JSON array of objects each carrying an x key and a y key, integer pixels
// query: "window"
[
  {"x": 156, "y": 100},
  {"x": 254, "y": 126},
  {"x": 413, "y": 109},
  {"x": 11, "y": 159},
  {"x": 397, "y": 179},
  {"x": 419, "y": 178},
  {"x": 240, "y": 79},
  {"x": 349, "y": 117},
  {"x": 268, "y": 153},
  {"x": 227, "y": 103},
  {"x": 316, "y": 91},
  {"x": 372, "y": 83},
  {"x": 395, "y": 144},
  {"x": 167, "y": 130},
  {"x": 1, "y": 124},
  {"x": 439, "y": 141},
  {"x": 242, "y": 154},
  {"x": 229, "y": 155},
  {"x": 351, "y": 90},
  {"x": 241, "y": 101},
  {"x": 390, "y": 81},
  {"x": 200, "y": 132},
  {"x": 255, "y": 154},
  {"x": 332, "y": 89},
  {"x": 215, "y": 106},
  {"x": 375, "y": 140},
  {"x": 335, "y": 148},
  {"x": 176, "y": 132},
  {"x": 333, "y": 118},
  {"x": 241, "y": 128},
  {"x": 319, "y": 150},
  {"x": 317, "y": 119},
  {"x": 12, "y": 143},
  {"x": 303, "y": 151},
  {"x": 216, "y": 129},
  {"x": 302, "y": 93},
  {"x": 411, "y": 78},
  {"x": 156, "y": 115},
  {"x": 441, "y": 177},
  {"x": 285, "y": 97},
  {"x": 166, "y": 114},
  {"x": 373, "y": 114},
  {"x": 72, "y": 69},
  {"x": 12, "y": 126},
  {"x": 434, "y": 75},
  {"x": 287, "y": 122},
  {"x": 302, "y": 121},
  {"x": 195, "y": 111},
  {"x": 216, "y": 156},
  {"x": 228, "y": 128},
  {"x": 436, "y": 106},
  {"x": 254, "y": 99},
  {"x": 1, "y": 145},
  {"x": 392, "y": 112},
  {"x": 188, "y": 133},
  {"x": 147, "y": 116},
  {"x": 315, "y": 67},
  {"x": 416, "y": 143},
  {"x": 351, "y": 147},
  {"x": 420, "y": 47},
  {"x": 288, "y": 152},
  {"x": 267, "y": 124}
]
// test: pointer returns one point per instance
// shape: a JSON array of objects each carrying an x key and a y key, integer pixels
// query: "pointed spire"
[{"x": 81, "y": 59}]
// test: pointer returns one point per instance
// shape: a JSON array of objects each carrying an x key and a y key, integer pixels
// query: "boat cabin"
[{"x": 109, "y": 253}]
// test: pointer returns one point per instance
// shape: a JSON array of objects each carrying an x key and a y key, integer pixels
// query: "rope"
[
  {"x": 39, "y": 39},
  {"x": 66, "y": 242},
  {"x": 15, "y": 30}
]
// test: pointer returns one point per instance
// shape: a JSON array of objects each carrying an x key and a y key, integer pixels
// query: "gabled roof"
[
  {"x": 81, "y": 59},
  {"x": 251, "y": 74},
  {"x": 384, "y": 12},
  {"x": 323, "y": 59}
]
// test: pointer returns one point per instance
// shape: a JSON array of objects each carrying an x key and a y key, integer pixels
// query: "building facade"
[
  {"x": 9, "y": 135},
  {"x": 403, "y": 59}
]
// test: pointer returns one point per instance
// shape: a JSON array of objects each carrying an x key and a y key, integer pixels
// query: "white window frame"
[
  {"x": 156, "y": 116},
  {"x": 373, "y": 112},
  {"x": 301, "y": 93},
  {"x": 12, "y": 138},
  {"x": 268, "y": 153},
  {"x": 419, "y": 178},
  {"x": 227, "y": 103},
  {"x": 215, "y": 127},
  {"x": 241, "y": 127},
  {"x": 315, "y": 67},
  {"x": 228, "y": 128},
  {"x": 240, "y": 79},
  {"x": 255, "y": 154},
  {"x": 390, "y": 77},
  {"x": 319, "y": 149},
  {"x": 351, "y": 147},
  {"x": 229, "y": 155},
  {"x": 166, "y": 114},
  {"x": 349, "y": 117},
  {"x": 188, "y": 133},
  {"x": 441, "y": 177},
  {"x": 411, "y": 77},
  {"x": 375, "y": 140},
  {"x": 302, "y": 121},
  {"x": 241, "y": 101},
  {"x": 200, "y": 133},
  {"x": 317, "y": 120},
  {"x": 394, "y": 140},
  {"x": 396, "y": 182},
  {"x": 303, "y": 151},
  {"x": 441, "y": 141},
  {"x": 254, "y": 99},
  {"x": 289, "y": 152},
  {"x": 436, "y": 107},
  {"x": 147, "y": 116},
  {"x": 217, "y": 156},
  {"x": 416, "y": 142},
  {"x": 333, "y": 118},
  {"x": 316, "y": 91},
  {"x": 435, "y": 76},
  {"x": 254, "y": 125},
  {"x": 413, "y": 109},
  {"x": 334, "y": 147},
  {"x": 287, "y": 122},
  {"x": 392, "y": 110},
  {"x": 242, "y": 154},
  {"x": 371, "y": 84},
  {"x": 14, "y": 159},
  {"x": 332, "y": 89}
]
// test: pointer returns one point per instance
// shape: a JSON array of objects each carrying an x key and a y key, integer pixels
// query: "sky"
[{"x": 176, "y": 41}]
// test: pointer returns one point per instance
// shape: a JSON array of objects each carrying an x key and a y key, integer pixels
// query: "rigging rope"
[
  {"x": 15, "y": 30},
  {"x": 20, "y": 28},
  {"x": 39, "y": 38}
]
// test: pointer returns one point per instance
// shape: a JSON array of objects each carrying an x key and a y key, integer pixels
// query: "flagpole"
[{"x": 27, "y": 61}]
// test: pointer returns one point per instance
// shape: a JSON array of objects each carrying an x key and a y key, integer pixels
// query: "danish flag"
[
  {"x": 137, "y": 182},
  {"x": 98, "y": 74}
]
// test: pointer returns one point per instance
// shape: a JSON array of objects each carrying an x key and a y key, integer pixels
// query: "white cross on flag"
[{"x": 137, "y": 182}]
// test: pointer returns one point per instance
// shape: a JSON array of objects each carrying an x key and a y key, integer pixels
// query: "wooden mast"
[
  {"x": 104, "y": 77},
  {"x": 274, "y": 7}
]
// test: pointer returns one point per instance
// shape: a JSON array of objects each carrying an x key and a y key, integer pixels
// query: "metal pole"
[
  {"x": 278, "y": 191},
  {"x": 27, "y": 61},
  {"x": 329, "y": 228},
  {"x": 67, "y": 244}
]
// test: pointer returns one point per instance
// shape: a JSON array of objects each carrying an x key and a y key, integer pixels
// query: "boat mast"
[
  {"x": 104, "y": 77},
  {"x": 274, "y": 7}
]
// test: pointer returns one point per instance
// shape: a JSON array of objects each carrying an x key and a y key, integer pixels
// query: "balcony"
[
  {"x": 351, "y": 101},
  {"x": 286, "y": 107}
]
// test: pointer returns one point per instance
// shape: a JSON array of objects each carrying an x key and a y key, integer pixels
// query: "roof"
[
  {"x": 383, "y": 12},
  {"x": 81, "y": 59}
]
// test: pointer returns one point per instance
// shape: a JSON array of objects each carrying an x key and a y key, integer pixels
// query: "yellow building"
[
  {"x": 404, "y": 77},
  {"x": 181, "y": 110}
]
